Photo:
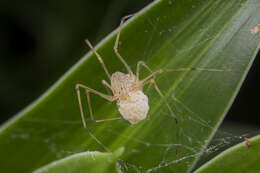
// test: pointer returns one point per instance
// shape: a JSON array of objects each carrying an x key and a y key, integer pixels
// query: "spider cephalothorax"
[{"x": 122, "y": 84}]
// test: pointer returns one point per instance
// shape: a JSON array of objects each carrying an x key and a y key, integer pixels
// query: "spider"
[
  {"x": 127, "y": 90},
  {"x": 255, "y": 30},
  {"x": 247, "y": 142}
]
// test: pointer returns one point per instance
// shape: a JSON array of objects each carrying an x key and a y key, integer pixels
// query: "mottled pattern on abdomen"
[{"x": 135, "y": 108}]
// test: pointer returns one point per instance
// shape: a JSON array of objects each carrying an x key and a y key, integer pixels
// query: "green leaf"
[
  {"x": 167, "y": 34},
  {"x": 84, "y": 162},
  {"x": 227, "y": 135},
  {"x": 239, "y": 158}
]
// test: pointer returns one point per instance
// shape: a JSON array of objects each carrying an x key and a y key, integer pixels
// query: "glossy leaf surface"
[
  {"x": 167, "y": 34},
  {"x": 240, "y": 158}
]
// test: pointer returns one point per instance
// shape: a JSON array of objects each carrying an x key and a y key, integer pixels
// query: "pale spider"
[{"x": 127, "y": 90}]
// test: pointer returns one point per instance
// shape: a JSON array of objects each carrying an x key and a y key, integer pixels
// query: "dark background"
[{"x": 40, "y": 40}]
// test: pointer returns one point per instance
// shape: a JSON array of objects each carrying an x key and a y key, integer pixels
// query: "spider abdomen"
[{"x": 135, "y": 107}]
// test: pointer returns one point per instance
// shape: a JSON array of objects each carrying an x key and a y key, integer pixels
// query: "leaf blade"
[
  {"x": 82, "y": 162},
  {"x": 170, "y": 38},
  {"x": 239, "y": 158}
]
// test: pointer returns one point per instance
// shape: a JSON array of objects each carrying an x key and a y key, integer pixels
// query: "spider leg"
[
  {"x": 107, "y": 86},
  {"x": 107, "y": 97},
  {"x": 99, "y": 58},
  {"x": 117, "y": 42},
  {"x": 139, "y": 65},
  {"x": 91, "y": 113},
  {"x": 146, "y": 80},
  {"x": 169, "y": 108},
  {"x": 164, "y": 99},
  {"x": 152, "y": 81}
]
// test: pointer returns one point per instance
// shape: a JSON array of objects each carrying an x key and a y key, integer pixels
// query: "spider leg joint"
[
  {"x": 77, "y": 87},
  {"x": 103, "y": 82},
  {"x": 152, "y": 81}
]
